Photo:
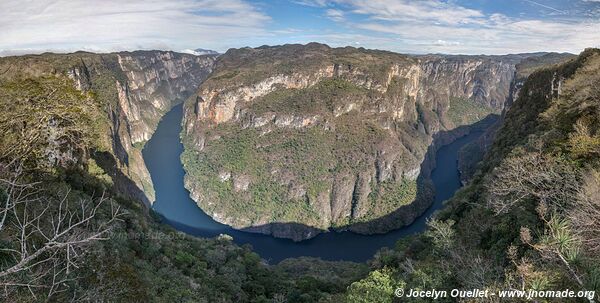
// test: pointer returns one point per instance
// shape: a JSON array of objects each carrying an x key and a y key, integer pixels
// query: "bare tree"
[
  {"x": 585, "y": 214},
  {"x": 45, "y": 237},
  {"x": 531, "y": 176}
]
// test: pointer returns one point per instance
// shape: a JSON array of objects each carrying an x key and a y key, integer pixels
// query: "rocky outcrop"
[
  {"x": 471, "y": 155},
  {"x": 130, "y": 92},
  {"x": 404, "y": 100},
  {"x": 155, "y": 82}
]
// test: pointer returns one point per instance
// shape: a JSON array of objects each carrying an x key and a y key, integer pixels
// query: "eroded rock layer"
[
  {"x": 125, "y": 95},
  {"x": 318, "y": 137}
]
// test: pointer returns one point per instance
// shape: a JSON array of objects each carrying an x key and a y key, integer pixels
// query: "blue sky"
[{"x": 407, "y": 26}]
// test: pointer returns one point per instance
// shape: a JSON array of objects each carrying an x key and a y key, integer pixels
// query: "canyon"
[
  {"x": 129, "y": 93},
  {"x": 289, "y": 141},
  {"x": 307, "y": 119},
  {"x": 295, "y": 140}
]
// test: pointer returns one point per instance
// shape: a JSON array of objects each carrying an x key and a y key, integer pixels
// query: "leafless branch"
[{"x": 46, "y": 236}]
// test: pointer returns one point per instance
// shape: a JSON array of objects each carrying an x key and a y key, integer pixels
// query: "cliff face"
[
  {"x": 130, "y": 91},
  {"x": 335, "y": 137},
  {"x": 156, "y": 81},
  {"x": 473, "y": 153}
]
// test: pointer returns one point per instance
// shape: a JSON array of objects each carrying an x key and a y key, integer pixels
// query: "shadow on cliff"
[
  {"x": 424, "y": 204},
  {"x": 426, "y": 189},
  {"x": 122, "y": 183}
]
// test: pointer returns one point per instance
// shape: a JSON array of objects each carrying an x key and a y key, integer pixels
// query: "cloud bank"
[
  {"x": 105, "y": 25},
  {"x": 446, "y": 27},
  {"x": 410, "y": 26}
]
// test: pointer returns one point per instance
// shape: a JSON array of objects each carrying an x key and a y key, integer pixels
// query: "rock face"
[
  {"x": 155, "y": 82},
  {"x": 473, "y": 153},
  {"x": 326, "y": 137},
  {"x": 132, "y": 90}
]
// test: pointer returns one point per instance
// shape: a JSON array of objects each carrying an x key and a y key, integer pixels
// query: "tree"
[
  {"x": 532, "y": 175},
  {"x": 585, "y": 213},
  {"x": 379, "y": 286},
  {"x": 44, "y": 237}
]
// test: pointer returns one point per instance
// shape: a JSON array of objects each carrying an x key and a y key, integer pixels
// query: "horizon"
[
  {"x": 190, "y": 51},
  {"x": 453, "y": 27}
]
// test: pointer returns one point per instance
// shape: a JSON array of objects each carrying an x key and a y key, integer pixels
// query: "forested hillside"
[
  {"x": 70, "y": 229},
  {"x": 529, "y": 217}
]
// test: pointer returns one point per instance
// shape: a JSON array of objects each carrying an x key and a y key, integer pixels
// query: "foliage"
[
  {"x": 308, "y": 157},
  {"x": 47, "y": 109},
  {"x": 529, "y": 218},
  {"x": 464, "y": 111},
  {"x": 325, "y": 96},
  {"x": 379, "y": 286}
]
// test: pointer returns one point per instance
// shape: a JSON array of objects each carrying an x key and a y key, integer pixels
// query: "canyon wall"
[
  {"x": 156, "y": 81},
  {"x": 361, "y": 120},
  {"x": 126, "y": 93},
  {"x": 471, "y": 155}
]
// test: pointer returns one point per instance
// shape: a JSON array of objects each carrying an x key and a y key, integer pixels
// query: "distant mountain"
[{"x": 200, "y": 52}]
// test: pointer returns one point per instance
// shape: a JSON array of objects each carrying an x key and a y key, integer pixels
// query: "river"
[{"x": 162, "y": 153}]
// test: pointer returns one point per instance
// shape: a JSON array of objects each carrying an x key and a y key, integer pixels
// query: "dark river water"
[{"x": 162, "y": 153}]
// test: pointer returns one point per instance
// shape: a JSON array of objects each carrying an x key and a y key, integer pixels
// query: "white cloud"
[
  {"x": 414, "y": 26},
  {"x": 443, "y": 26},
  {"x": 440, "y": 42},
  {"x": 425, "y": 10},
  {"x": 314, "y": 3},
  {"x": 107, "y": 25},
  {"x": 335, "y": 14}
]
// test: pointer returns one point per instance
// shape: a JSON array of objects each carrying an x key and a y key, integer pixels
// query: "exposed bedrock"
[
  {"x": 128, "y": 93},
  {"x": 335, "y": 138}
]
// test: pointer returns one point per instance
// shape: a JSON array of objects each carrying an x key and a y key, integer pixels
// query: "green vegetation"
[
  {"x": 137, "y": 258},
  {"x": 529, "y": 65},
  {"x": 323, "y": 97},
  {"x": 389, "y": 196},
  {"x": 144, "y": 260},
  {"x": 247, "y": 65},
  {"x": 529, "y": 217},
  {"x": 379, "y": 286},
  {"x": 42, "y": 84},
  {"x": 465, "y": 111},
  {"x": 39, "y": 111},
  {"x": 309, "y": 157},
  {"x": 235, "y": 153}
]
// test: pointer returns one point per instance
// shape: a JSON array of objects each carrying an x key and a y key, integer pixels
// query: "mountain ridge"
[{"x": 279, "y": 91}]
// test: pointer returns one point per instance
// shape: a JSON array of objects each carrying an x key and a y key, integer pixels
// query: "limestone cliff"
[
  {"x": 327, "y": 137},
  {"x": 472, "y": 154},
  {"x": 156, "y": 81},
  {"x": 128, "y": 93}
]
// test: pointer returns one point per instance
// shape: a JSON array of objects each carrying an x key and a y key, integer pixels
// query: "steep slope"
[
  {"x": 129, "y": 93},
  {"x": 67, "y": 129},
  {"x": 472, "y": 154},
  {"x": 528, "y": 220},
  {"x": 329, "y": 137}
]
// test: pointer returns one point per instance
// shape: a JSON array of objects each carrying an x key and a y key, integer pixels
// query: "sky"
[{"x": 405, "y": 26}]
